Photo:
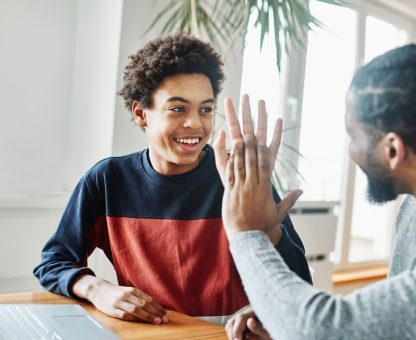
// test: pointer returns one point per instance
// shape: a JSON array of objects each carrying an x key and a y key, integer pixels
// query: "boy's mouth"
[
  {"x": 189, "y": 141},
  {"x": 189, "y": 144}
]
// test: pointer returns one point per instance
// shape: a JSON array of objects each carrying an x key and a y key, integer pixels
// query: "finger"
[
  {"x": 248, "y": 128},
  {"x": 257, "y": 329},
  {"x": 232, "y": 121},
  {"x": 229, "y": 178},
  {"x": 288, "y": 202},
  {"x": 250, "y": 140},
  {"x": 250, "y": 156},
  {"x": 239, "y": 164},
  {"x": 138, "y": 313},
  {"x": 264, "y": 164},
  {"x": 149, "y": 301},
  {"x": 239, "y": 326},
  {"x": 221, "y": 154},
  {"x": 275, "y": 144},
  {"x": 261, "y": 133},
  {"x": 123, "y": 315},
  {"x": 151, "y": 307},
  {"x": 229, "y": 328}
]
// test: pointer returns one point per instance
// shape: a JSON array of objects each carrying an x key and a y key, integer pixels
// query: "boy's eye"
[
  {"x": 206, "y": 109},
  {"x": 177, "y": 109}
]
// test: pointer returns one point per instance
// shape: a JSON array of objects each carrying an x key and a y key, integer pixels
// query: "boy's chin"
[{"x": 188, "y": 161}]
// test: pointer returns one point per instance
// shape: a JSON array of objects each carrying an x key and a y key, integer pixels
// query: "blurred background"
[{"x": 62, "y": 64}]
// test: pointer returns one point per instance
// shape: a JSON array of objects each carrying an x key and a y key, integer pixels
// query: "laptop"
[{"x": 50, "y": 321}]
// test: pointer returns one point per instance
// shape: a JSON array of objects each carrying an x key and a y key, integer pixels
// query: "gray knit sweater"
[{"x": 289, "y": 308}]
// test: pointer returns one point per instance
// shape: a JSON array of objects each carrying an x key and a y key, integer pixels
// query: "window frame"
[{"x": 292, "y": 79}]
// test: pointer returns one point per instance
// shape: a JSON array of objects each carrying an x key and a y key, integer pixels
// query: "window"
[
  {"x": 330, "y": 63},
  {"x": 260, "y": 78},
  {"x": 315, "y": 81},
  {"x": 371, "y": 226}
]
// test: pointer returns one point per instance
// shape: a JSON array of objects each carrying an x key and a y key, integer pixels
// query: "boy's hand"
[
  {"x": 248, "y": 202},
  {"x": 126, "y": 303},
  {"x": 245, "y": 325}
]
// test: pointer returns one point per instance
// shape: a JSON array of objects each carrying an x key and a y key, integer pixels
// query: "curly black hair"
[
  {"x": 170, "y": 55},
  {"x": 385, "y": 93}
]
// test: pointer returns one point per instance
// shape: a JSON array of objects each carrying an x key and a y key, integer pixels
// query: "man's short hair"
[
  {"x": 166, "y": 56},
  {"x": 385, "y": 94}
]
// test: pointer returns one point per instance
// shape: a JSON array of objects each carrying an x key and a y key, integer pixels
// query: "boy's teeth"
[{"x": 188, "y": 140}]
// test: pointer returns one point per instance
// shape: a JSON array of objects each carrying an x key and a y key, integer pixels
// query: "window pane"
[
  {"x": 371, "y": 225},
  {"x": 376, "y": 28},
  {"x": 260, "y": 75},
  {"x": 329, "y": 68}
]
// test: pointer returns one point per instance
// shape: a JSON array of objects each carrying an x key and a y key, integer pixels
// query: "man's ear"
[
  {"x": 394, "y": 150},
  {"x": 138, "y": 113}
]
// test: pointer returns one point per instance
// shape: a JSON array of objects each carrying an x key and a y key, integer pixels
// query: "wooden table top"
[{"x": 180, "y": 326}]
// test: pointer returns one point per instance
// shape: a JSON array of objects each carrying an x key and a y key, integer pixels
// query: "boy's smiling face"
[{"x": 179, "y": 122}]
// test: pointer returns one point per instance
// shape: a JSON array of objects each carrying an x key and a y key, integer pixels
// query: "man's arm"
[
  {"x": 282, "y": 234},
  {"x": 289, "y": 308}
]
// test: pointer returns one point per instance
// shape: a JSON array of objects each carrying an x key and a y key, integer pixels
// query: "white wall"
[
  {"x": 137, "y": 16},
  {"x": 37, "y": 56},
  {"x": 58, "y": 78},
  {"x": 94, "y": 86}
]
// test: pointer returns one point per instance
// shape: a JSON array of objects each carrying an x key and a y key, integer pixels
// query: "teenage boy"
[{"x": 156, "y": 213}]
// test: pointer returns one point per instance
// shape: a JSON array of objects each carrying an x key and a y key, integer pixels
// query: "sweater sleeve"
[
  {"x": 64, "y": 257},
  {"x": 289, "y": 308}
]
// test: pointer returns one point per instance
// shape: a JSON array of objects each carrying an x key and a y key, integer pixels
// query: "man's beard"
[
  {"x": 380, "y": 191},
  {"x": 380, "y": 186}
]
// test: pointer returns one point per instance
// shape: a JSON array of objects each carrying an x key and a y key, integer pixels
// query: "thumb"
[
  {"x": 221, "y": 154},
  {"x": 288, "y": 202},
  {"x": 256, "y": 328}
]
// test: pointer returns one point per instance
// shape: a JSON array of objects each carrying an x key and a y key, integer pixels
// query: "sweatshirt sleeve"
[
  {"x": 64, "y": 257},
  {"x": 291, "y": 248},
  {"x": 289, "y": 308}
]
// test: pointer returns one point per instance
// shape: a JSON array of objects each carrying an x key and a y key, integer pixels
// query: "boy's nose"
[{"x": 193, "y": 120}]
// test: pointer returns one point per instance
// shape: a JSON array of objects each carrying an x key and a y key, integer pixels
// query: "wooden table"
[{"x": 180, "y": 326}]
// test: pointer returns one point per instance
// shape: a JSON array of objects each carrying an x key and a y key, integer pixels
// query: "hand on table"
[
  {"x": 126, "y": 303},
  {"x": 245, "y": 325},
  {"x": 248, "y": 202}
]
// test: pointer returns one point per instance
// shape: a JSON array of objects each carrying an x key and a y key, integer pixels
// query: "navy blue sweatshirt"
[{"x": 163, "y": 234}]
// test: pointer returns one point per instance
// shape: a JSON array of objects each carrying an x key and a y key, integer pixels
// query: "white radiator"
[{"x": 316, "y": 224}]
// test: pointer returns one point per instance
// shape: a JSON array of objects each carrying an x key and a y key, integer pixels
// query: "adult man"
[{"x": 381, "y": 121}]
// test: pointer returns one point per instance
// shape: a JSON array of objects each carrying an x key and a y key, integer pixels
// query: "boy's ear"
[
  {"x": 394, "y": 150},
  {"x": 138, "y": 113}
]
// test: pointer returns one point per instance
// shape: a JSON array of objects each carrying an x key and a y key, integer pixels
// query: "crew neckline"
[{"x": 168, "y": 179}]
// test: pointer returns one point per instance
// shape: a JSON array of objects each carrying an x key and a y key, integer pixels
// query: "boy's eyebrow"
[{"x": 181, "y": 99}]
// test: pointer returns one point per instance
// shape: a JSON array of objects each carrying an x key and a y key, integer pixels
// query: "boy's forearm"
[{"x": 292, "y": 254}]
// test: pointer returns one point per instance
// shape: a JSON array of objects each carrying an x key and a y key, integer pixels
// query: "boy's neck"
[{"x": 170, "y": 168}]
